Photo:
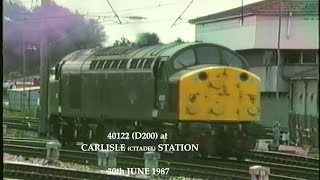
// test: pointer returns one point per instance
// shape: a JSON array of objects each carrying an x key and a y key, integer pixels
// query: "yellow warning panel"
[{"x": 219, "y": 94}]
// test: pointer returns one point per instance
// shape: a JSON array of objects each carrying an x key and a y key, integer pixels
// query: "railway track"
[
  {"x": 204, "y": 168},
  {"x": 176, "y": 169},
  {"x": 28, "y": 124},
  {"x": 283, "y": 158},
  {"x": 18, "y": 170},
  {"x": 261, "y": 156},
  {"x": 31, "y": 124}
]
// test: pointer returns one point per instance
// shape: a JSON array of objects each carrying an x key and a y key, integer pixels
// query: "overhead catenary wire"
[
  {"x": 145, "y": 8},
  {"x": 99, "y": 15},
  {"x": 182, "y": 13},
  {"x": 114, "y": 12}
]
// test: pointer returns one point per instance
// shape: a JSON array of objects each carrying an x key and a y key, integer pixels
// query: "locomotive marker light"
[
  {"x": 203, "y": 76},
  {"x": 244, "y": 76}
]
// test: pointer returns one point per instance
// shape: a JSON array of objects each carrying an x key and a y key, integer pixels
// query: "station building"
[{"x": 290, "y": 84}]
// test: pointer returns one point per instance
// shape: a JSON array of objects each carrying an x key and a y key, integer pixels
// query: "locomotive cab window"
[
  {"x": 161, "y": 70},
  {"x": 185, "y": 59}
]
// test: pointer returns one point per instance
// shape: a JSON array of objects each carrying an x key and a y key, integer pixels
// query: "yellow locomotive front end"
[
  {"x": 217, "y": 107},
  {"x": 219, "y": 94}
]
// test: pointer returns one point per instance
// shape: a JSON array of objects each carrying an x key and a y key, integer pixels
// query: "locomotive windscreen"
[
  {"x": 185, "y": 59},
  {"x": 208, "y": 55}
]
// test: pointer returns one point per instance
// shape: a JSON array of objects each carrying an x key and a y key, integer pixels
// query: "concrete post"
[
  {"x": 4, "y": 129},
  {"x": 107, "y": 159},
  {"x": 276, "y": 136},
  {"x": 151, "y": 159},
  {"x": 53, "y": 151},
  {"x": 276, "y": 133},
  {"x": 259, "y": 173},
  {"x": 262, "y": 145},
  {"x": 101, "y": 158},
  {"x": 111, "y": 157},
  {"x": 44, "y": 69}
]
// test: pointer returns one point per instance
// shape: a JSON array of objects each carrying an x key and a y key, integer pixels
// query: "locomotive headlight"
[{"x": 203, "y": 76}]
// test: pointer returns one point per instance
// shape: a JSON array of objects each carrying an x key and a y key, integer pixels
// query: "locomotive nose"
[{"x": 219, "y": 94}]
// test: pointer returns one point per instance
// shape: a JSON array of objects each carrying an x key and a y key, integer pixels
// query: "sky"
[{"x": 159, "y": 14}]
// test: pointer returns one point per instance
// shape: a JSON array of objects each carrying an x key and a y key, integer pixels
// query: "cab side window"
[
  {"x": 159, "y": 68},
  {"x": 162, "y": 70}
]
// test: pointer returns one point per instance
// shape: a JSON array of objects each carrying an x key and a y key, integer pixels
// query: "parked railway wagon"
[{"x": 196, "y": 92}]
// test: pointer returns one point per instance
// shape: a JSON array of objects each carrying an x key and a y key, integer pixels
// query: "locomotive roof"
[
  {"x": 78, "y": 60},
  {"x": 131, "y": 52},
  {"x": 141, "y": 52}
]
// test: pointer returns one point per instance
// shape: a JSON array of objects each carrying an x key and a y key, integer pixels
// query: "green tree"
[
  {"x": 66, "y": 32},
  {"x": 145, "y": 39},
  {"x": 123, "y": 42},
  {"x": 178, "y": 40}
]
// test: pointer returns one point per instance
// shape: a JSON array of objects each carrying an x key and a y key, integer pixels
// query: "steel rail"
[
  {"x": 176, "y": 169},
  {"x": 24, "y": 170},
  {"x": 283, "y": 158},
  {"x": 199, "y": 168},
  {"x": 276, "y": 169},
  {"x": 257, "y": 156},
  {"x": 28, "y": 124}
]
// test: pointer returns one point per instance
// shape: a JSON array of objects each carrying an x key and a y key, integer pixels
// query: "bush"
[{"x": 11, "y": 113}]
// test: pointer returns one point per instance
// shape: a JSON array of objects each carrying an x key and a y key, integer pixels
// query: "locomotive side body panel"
[
  {"x": 128, "y": 96},
  {"x": 71, "y": 90},
  {"x": 90, "y": 96}
]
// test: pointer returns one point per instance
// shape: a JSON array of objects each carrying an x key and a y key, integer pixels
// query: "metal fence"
[{"x": 24, "y": 99}]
